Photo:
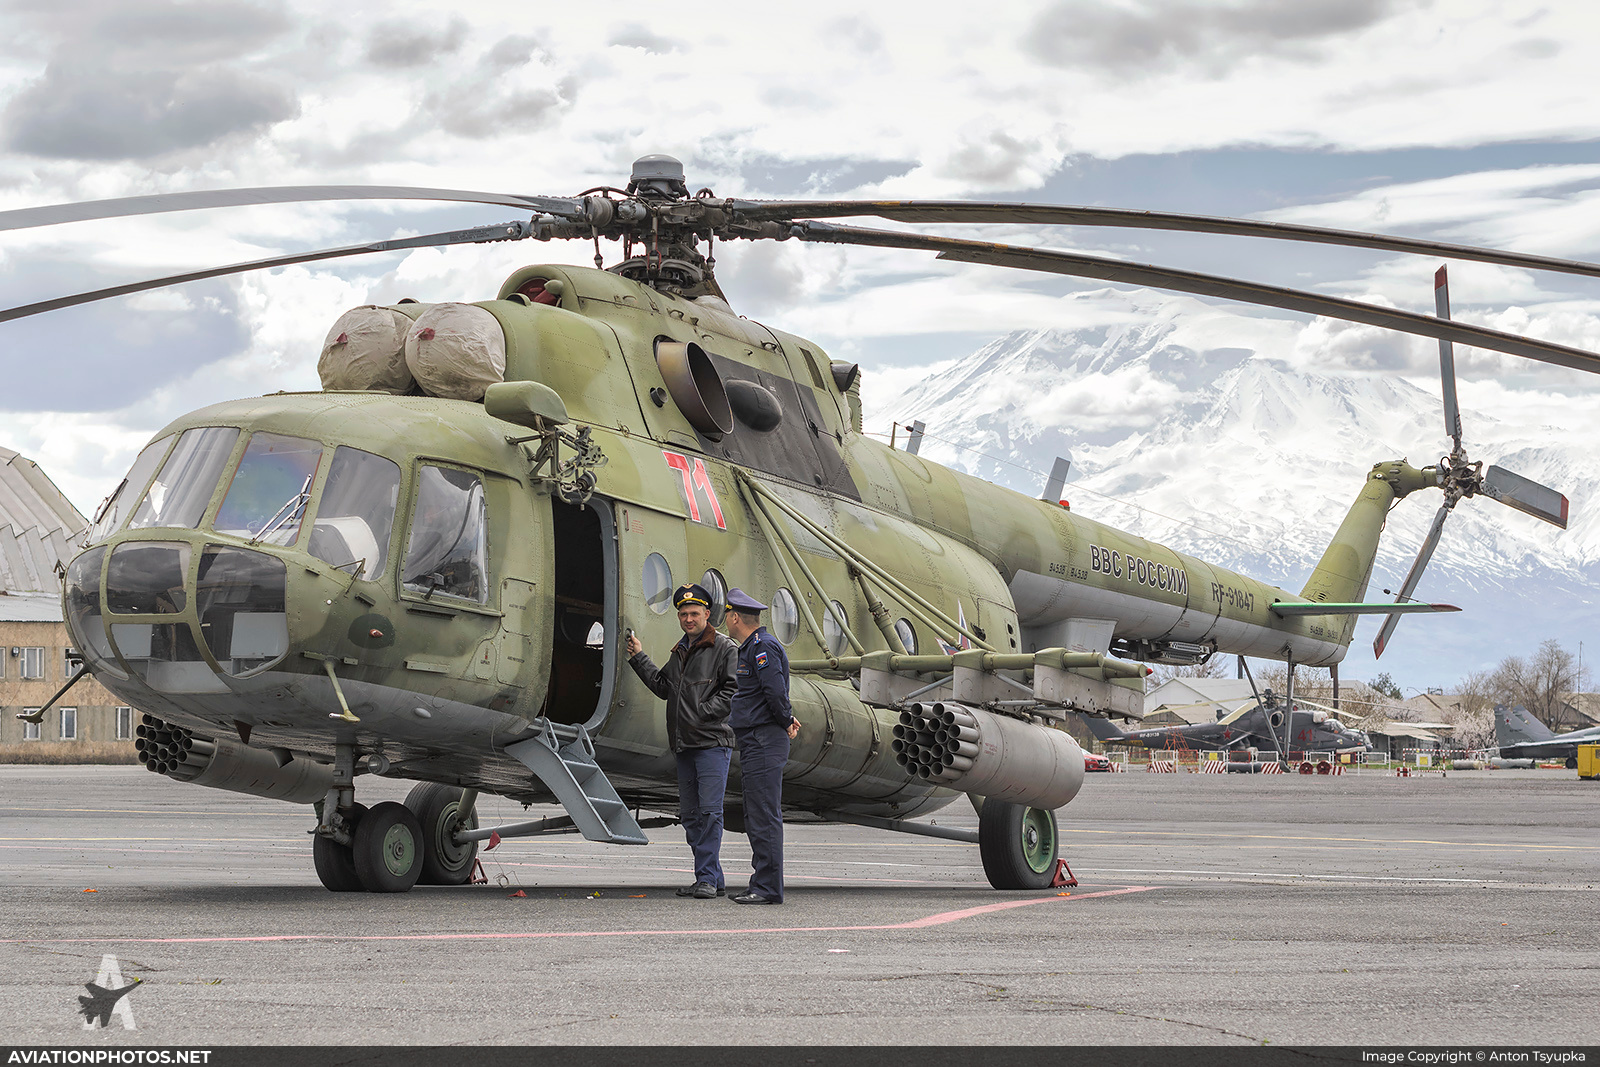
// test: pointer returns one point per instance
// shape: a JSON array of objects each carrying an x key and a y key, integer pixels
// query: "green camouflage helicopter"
[{"x": 426, "y": 570}]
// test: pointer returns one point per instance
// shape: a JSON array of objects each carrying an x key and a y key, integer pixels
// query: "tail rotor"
[{"x": 1460, "y": 477}]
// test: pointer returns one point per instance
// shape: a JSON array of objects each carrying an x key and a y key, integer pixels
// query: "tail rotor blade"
[
  {"x": 1447, "y": 359},
  {"x": 1528, "y": 497},
  {"x": 1413, "y": 576}
]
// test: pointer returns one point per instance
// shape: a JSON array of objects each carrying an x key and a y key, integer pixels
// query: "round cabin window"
[
  {"x": 712, "y": 582},
  {"x": 657, "y": 583},
  {"x": 907, "y": 634},
  {"x": 832, "y": 630},
  {"x": 785, "y": 617}
]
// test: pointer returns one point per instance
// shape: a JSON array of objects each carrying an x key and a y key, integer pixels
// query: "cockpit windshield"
[
  {"x": 270, "y": 491},
  {"x": 180, "y": 493},
  {"x": 116, "y": 506},
  {"x": 356, "y": 514},
  {"x": 448, "y": 551}
]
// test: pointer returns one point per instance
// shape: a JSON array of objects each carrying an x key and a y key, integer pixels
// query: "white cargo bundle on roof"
[
  {"x": 456, "y": 351},
  {"x": 366, "y": 350}
]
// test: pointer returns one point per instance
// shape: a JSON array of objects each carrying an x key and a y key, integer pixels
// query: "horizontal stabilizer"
[{"x": 1287, "y": 608}]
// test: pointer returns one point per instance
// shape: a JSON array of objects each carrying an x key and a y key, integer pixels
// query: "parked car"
[{"x": 1093, "y": 761}]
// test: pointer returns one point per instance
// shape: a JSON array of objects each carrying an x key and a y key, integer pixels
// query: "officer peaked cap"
[
  {"x": 739, "y": 600},
  {"x": 691, "y": 594}
]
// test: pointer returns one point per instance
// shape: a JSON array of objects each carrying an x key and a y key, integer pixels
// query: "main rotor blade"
[
  {"x": 50, "y": 215},
  {"x": 1077, "y": 265},
  {"x": 508, "y": 231},
  {"x": 1447, "y": 359},
  {"x": 1413, "y": 576},
  {"x": 1528, "y": 497},
  {"x": 961, "y": 211}
]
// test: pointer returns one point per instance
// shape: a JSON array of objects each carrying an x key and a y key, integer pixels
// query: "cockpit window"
[
  {"x": 448, "y": 553},
  {"x": 356, "y": 514},
  {"x": 180, "y": 493},
  {"x": 116, "y": 506},
  {"x": 270, "y": 490}
]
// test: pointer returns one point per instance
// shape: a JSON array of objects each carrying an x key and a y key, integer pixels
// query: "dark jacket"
[{"x": 697, "y": 683}]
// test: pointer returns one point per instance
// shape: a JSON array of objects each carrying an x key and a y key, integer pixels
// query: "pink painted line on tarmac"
[{"x": 923, "y": 923}]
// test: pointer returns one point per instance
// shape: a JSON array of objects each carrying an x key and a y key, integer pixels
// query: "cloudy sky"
[{"x": 1467, "y": 120}]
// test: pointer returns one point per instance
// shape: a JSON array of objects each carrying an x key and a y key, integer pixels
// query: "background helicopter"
[{"x": 422, "y": 571}]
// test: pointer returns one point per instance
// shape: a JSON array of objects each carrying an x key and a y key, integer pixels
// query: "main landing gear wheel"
[
  {"x": 335, "y": 867},
  {"x": 1018, "y": 845},
  {"x": 388, "y": 849},
  {"x": 444, "y": 862}
]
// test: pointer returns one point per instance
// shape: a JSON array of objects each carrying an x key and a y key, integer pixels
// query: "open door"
[{"x": 584, "y": 649}]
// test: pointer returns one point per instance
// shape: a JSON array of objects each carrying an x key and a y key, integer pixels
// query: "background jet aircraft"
[
  {"x": 1521, "y": 736},
  {"x": 1252, "y": 726}
]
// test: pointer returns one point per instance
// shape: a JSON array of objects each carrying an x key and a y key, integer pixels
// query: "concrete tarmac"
[{"x": 1363, "y": 909}]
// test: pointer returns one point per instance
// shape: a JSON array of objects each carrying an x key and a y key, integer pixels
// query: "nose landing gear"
[
  {"x": 379, "y": 850},
  {"x": 387, "y": 849}
]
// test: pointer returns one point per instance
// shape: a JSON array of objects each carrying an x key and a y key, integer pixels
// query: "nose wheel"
[
  {"x": 387, "y": 849},
  {"x": 1018, "y": 844},
  {"x": 336, "y": 868}
]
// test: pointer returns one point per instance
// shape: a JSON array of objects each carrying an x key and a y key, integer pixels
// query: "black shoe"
[
  {"x": 748, "y": 897},
  {"x": 701, "y": 891}
]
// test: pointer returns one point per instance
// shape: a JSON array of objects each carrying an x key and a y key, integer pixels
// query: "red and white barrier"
[
  {"x": 1162, "y": 766},
  {"x": 1213, "y": 766},
  {"x": 1272, "y": 767}
]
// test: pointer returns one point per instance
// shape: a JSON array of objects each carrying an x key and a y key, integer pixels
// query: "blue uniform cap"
[{"x": 738, "y": 598}]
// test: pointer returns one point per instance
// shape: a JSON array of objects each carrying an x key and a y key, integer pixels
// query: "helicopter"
[{"x": 424, "y": 570}]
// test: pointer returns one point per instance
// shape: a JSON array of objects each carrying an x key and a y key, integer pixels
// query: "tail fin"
[
  {"x": 1102, "y": 728},
  {"x": 1514, "y": 726},
  {"x": 1341, "y": 575}
]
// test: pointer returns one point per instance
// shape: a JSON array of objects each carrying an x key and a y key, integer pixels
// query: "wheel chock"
[
  {"x": 1064, "y": 875},
  {"x": 478, "y": 876}
]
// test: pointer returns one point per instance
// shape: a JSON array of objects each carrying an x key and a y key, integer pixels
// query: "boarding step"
[{"x": 563, "y": 758}]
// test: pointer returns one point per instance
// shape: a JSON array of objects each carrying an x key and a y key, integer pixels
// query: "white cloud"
[{"x": 898, "y": 100}]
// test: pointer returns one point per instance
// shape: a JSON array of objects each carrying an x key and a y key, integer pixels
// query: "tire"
[
  {"x": 1572, "y": 763},
  {"x": 388, "y": 849},
  {"x": 1018, "y": 845},
  {"x": 443, "y": 861},
  {"x": 335, "y": 867}
]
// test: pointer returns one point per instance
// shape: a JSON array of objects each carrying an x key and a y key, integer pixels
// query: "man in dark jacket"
[{"x": 697, "y": 683}]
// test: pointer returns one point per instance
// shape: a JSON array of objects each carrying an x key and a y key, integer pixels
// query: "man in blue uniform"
[
  {"x": 697, "y": 683},
  {"x": 763, "y": 724}
]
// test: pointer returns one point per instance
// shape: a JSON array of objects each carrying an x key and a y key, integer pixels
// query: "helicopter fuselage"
[{"x": 271, "y": 559}]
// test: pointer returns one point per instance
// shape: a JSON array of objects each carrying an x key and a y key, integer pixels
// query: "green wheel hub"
[
  {"x": 399, "y": 850},
  {"x": 1038, "y": 840}
]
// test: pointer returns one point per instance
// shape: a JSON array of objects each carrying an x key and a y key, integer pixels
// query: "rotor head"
[{"x": 658, "y": 177}]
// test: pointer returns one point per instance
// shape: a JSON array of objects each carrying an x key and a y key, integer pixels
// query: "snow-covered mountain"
[{"x": 1236, "y": 456}]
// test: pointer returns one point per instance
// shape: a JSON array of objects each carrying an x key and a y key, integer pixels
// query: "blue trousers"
[
  {"x": 763, "y": 751},
  {"x": 702, "y": 781}
]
